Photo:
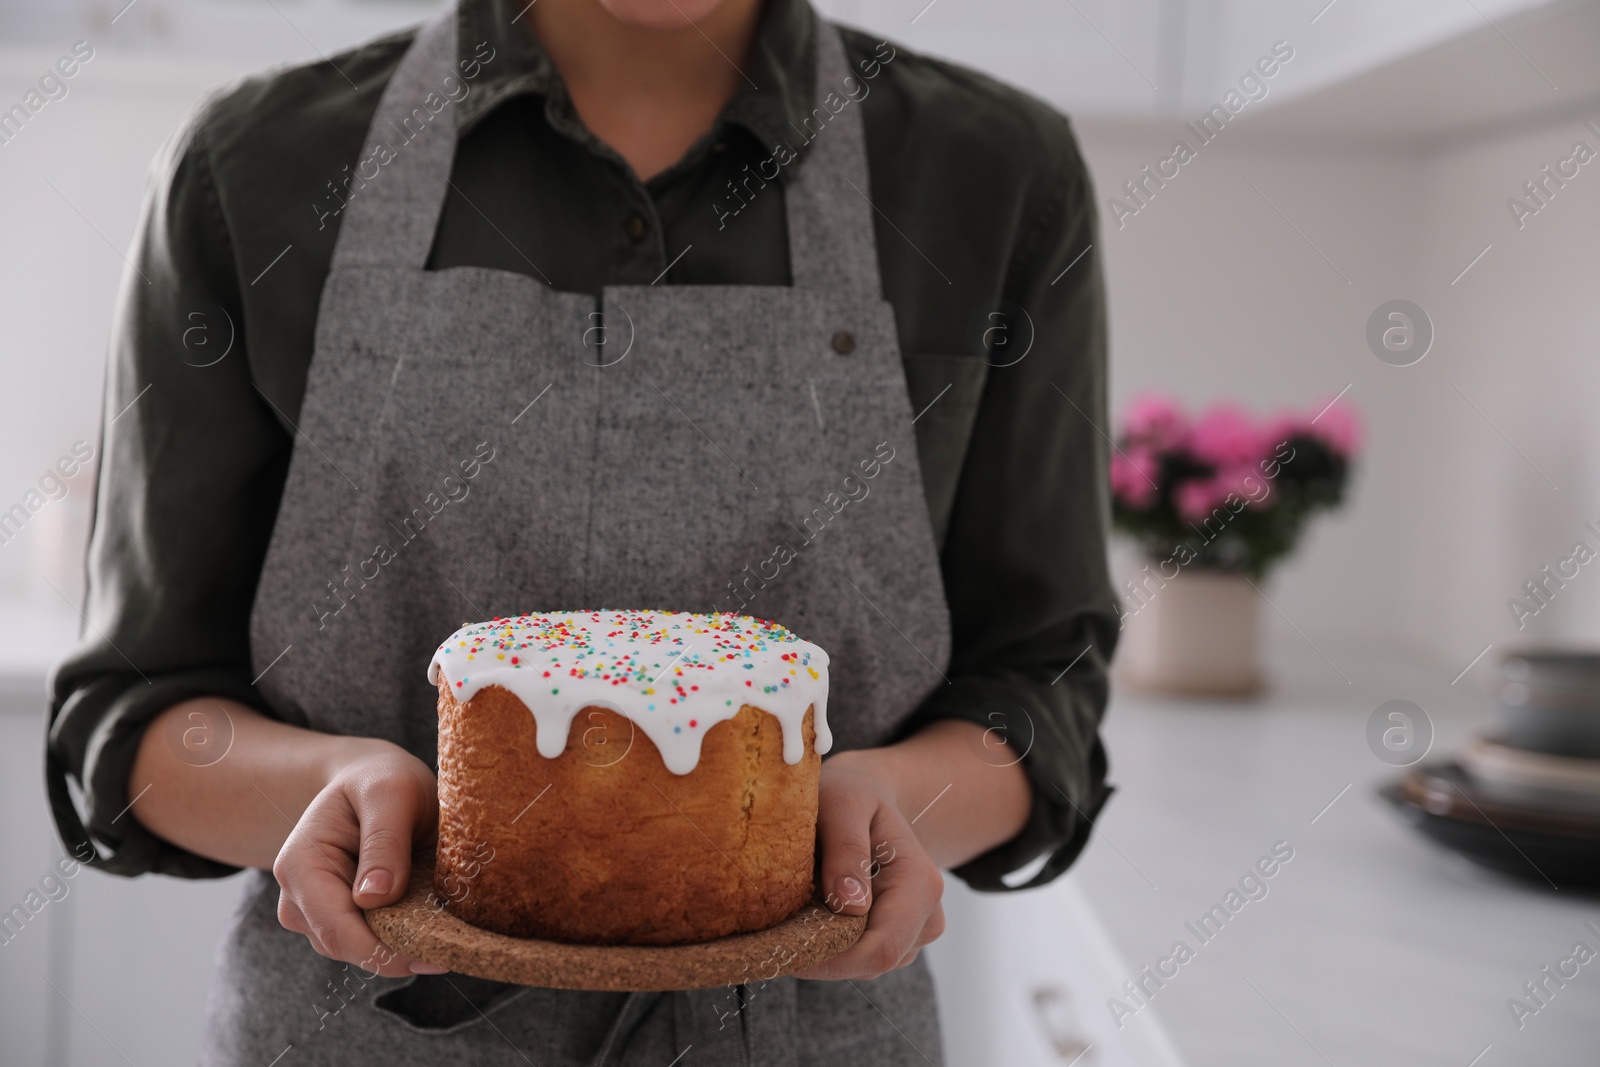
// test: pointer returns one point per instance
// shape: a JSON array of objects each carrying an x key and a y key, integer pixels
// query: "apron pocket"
[
  {"x": 445, "y": 1003},
  {"x": 946, "y": 391}
]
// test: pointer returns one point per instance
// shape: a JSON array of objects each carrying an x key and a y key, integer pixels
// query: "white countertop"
[{"x": 1372, "y": 946}]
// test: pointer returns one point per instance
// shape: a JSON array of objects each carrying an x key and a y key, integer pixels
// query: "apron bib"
[{"x": 473, "y": 443}]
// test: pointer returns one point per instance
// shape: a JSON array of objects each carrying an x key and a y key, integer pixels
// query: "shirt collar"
[{"x": 777, "y": 94}]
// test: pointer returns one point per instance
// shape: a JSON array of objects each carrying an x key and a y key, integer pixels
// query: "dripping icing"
[{"x": 673, "y": 674}]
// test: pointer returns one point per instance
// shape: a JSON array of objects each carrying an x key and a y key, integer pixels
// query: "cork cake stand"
[{"x": 419, "y": 926}]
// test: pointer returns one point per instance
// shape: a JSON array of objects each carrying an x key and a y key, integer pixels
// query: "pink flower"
[
  {"x": 1225, "y": 436},
  {"x": 1133, "y": 476},
  {"x": 1197, "y": 498},
  {"x": 1339, "y": 427},
  {"x": 1156, "y": 420}
]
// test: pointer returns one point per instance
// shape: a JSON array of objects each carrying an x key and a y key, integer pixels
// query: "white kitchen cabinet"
[{"x": 115, "y": 971}]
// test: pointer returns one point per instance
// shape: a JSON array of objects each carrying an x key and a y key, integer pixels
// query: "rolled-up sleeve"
[
  {"x": 191, "y": 467},
  {"x": 1024, "y": 555}
]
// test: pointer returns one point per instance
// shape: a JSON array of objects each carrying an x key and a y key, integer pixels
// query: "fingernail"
[
  {"x": 852, "y": 890},
  {"x": 376, "y": 882},
  {"x": 418, "y": 967}
]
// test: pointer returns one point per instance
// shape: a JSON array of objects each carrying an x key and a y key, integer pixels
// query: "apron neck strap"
[
  {"x": 400, "y": 182},
  {"x": 831, "y": 243},
  {"x": 399, "y": 185}
]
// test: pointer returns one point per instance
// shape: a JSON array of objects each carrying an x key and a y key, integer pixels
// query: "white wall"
[
  {"x": 1214, "y": 294},
  {"x": 71, "y": 183},
  {"x": 1520, "y": 335}
]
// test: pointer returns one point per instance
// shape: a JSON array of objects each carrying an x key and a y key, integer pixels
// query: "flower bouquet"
[{"x": 1217, "y": 499}]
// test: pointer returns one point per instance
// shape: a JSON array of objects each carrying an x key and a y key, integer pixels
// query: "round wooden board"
[{"x": 419, "y": 926}]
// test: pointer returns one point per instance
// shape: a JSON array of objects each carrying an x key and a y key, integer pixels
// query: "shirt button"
[
  {"x": 844, "y": 342},
  {"x": 636, "y": 227}
]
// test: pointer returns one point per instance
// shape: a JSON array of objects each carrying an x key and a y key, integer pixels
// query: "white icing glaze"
[{"x": 673, "y": 674}]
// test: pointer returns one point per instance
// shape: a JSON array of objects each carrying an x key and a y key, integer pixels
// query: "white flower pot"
[{"x": 1195, "y": 633}]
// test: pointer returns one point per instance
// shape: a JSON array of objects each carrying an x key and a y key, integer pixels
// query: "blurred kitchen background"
[{"x": 1380, "y": 165}]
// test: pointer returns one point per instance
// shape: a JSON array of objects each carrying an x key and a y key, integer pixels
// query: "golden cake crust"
[{"x": 603, "y": 844}]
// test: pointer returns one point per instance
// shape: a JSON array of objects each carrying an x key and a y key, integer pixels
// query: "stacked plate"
[{"x": 1526, "y": 799}]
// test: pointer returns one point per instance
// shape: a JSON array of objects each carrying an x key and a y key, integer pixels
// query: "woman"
[{"x": 579, "y": 304}]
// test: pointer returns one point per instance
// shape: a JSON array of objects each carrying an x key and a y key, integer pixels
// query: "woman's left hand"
[{"x": 872, "y": 864}]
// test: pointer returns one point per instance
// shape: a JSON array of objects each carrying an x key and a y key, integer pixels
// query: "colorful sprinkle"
[{"x": 692, "y": 646}]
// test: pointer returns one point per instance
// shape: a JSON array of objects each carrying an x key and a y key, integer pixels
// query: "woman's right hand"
[{"x": 351, "y": 849}]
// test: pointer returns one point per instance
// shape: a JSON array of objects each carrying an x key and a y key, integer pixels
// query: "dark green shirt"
[{"x": 985, "y": 233}]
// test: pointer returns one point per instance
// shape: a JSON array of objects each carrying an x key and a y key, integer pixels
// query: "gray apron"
[{"x": 473, "y": 443}]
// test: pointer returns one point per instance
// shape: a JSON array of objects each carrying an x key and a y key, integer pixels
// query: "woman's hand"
[
  {"x": 351, "y": 849},
  {"x": 969, "y": 793},
  {"x": 872, "y": 863}
]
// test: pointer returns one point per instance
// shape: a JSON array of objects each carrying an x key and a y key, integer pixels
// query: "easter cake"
[{"x": 628, "y": 777}]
